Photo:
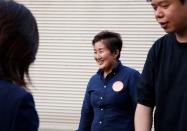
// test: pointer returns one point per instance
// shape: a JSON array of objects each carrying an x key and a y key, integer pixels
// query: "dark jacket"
[{"x": 17, "y": 109}]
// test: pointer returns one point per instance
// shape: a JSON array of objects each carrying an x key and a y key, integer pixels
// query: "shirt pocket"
[{"x": 95, "y": 97}]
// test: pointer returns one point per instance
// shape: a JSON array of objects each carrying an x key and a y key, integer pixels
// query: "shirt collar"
[{"x": 114, "y": 70}]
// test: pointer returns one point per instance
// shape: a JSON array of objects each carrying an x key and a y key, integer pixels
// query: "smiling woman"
[
  {"x": 110, "y": 98},
  {"x": 107, "y": 47}
]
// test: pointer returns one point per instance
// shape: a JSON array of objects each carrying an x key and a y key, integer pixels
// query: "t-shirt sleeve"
[{"x": 145, "y": 88}]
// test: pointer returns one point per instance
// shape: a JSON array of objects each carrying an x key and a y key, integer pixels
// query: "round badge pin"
[{"x": 117, "y": 86}]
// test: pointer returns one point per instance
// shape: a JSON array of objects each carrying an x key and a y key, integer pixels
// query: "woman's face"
[{"x": 103, "y": 56}]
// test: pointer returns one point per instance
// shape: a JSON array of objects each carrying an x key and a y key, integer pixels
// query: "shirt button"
[
  {"x": 101, "y": 98},
  {"x": 104, "y": 86},
  {"x": 101, "y": 109},
  {"x": 100, "y": 122}
]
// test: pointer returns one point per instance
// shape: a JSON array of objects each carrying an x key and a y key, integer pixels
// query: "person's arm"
[
  {"x": 143, "y": 118},
  {"x": 86, "y": 113},
  {"x": 26, "y": 117},
  {"x": 133, "y": 81}
]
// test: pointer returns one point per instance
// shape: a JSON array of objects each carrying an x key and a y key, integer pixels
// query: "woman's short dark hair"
[
  {"x": 19, "y": 39},
  {"x": 112, "y": 41},
  {"x": 182, "y": 1}
]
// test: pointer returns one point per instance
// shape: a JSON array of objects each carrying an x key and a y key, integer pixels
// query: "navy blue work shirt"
[{"x": 109, "y": 104}]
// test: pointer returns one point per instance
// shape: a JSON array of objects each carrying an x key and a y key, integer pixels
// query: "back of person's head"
[
  {"x": 112, "y": 41},
  {"x": 182, "y": 1},
  {"x": 19, "y": 41}
]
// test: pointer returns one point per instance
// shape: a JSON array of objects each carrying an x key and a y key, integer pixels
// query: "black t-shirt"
[{"x": 163, "y": 84}]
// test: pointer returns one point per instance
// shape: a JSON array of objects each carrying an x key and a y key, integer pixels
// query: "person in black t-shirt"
[{"x": 163, "y": 83}]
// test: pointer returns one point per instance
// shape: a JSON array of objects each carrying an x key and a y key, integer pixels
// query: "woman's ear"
[{"x": 116, "y": 54}]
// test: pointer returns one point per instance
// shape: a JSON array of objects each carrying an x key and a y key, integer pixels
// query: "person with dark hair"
[
  {"x": 110, "y": 97},
  {"x": 163, "y": 83},
  {"x": 19, "y": 40}
]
